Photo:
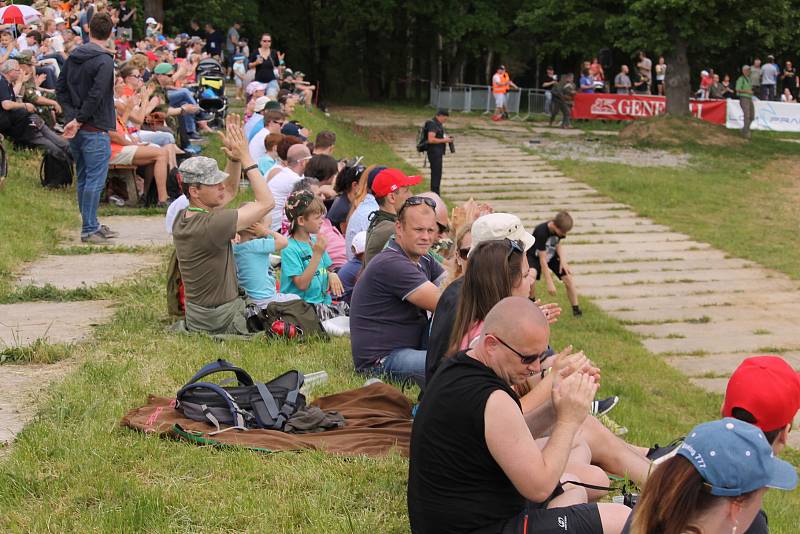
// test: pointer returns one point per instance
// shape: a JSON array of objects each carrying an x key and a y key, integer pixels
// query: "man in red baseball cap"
[
  {"x": 391, "y": 188},
  {"x": 764, "y": 391}
]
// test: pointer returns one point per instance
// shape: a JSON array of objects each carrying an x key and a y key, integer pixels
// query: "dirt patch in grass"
[{"x": 676, "y": 131}]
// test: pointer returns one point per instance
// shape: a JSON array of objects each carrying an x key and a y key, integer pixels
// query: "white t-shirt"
[
  {"x": 281, "y": 186},
  {"x": 496, "y": 79},
  {"x": 256, "y": 147},
  {"x": 180, "y": 203}
]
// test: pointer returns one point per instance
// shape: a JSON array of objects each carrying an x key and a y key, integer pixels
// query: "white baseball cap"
[
  {"x": 150, "y": 20},
  {"x": 261, "y": 103},
  {"x": 359, "y": 242},
  {"x": 496, "y": 226}
]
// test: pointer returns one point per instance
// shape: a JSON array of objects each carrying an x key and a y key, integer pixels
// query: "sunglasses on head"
[
  {"x": 418, "y": 201},
  {"x": 514, "y": 246},
  {"x": 526, "y": 359}
]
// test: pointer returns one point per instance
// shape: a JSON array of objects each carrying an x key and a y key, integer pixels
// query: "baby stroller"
[{"x": 210, "y": 91}]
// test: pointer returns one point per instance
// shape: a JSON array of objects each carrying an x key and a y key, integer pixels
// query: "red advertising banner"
[{"x": 631, "y": 107}]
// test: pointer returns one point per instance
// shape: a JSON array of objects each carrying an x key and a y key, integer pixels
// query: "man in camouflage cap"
[
  {"x": 46, "y": 108},
  {"x": 202, "y": 234}
]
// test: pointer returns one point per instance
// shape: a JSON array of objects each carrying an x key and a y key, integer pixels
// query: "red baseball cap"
[
  {"x": 390, "y": 180},
  {"x": 768, "y": 388}
]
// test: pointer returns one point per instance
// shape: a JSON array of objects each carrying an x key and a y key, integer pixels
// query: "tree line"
[{"x": 394, "y": 48}]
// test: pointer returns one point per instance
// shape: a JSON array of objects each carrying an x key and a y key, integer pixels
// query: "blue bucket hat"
[{"x": 734, "y": 458}]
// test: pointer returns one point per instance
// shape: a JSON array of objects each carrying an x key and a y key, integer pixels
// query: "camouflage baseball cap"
[
  {"x": 25, "y": 58},
  {"x": 201, "y": 170}
]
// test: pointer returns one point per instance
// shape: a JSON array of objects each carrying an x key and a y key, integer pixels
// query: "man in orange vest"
[{"x": 500, "y": 85}]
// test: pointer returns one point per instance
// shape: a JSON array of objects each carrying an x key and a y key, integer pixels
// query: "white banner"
[{"x": 774, "y": 116}]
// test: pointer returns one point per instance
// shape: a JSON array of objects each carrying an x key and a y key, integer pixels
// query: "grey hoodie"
[{"x": 85, "y": 88}]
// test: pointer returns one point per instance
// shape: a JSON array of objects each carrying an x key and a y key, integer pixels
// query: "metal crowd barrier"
[{"x": 520, "y": 103}]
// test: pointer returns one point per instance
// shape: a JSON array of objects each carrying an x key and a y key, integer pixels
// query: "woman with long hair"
[{"x": 714, "y": 484}]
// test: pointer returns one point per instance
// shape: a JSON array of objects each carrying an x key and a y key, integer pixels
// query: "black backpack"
[
  {"x": 422, "y": 139},
  {"x": 248, "y": 405},
  {"x": 55, "y": 172}
]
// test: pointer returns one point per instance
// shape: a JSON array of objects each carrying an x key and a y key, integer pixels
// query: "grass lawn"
[
  {"x": 75, "y": 469},
  {"x": 742, "y": 200}
]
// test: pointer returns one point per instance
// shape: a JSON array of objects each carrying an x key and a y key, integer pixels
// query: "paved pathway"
[
  {"x": 699, "y": 308},
  {"x": 25, "y": 323}
]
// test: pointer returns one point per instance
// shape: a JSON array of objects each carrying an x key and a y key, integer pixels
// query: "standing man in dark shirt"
[
  {"x": 85, "y": 90},
  {"x": 265, "y": 61},
  {"x": 474, "y": 464},
  {"x": 214, "y": 41},
  {"x": 436, "y": 138},
  {"x": 126, "y": 17},
  {"x": 550, "y": 80}
]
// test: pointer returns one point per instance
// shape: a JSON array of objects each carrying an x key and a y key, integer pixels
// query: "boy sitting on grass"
[
  {"x": 251, "y": 253},
  {"x": 547, "y": 255},
  {"x": 304, "y": 262}
]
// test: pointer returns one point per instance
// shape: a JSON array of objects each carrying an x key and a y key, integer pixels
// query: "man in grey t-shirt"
[
  {"x": 622, "y": 82},
  {"x": 769, "y": 79}
]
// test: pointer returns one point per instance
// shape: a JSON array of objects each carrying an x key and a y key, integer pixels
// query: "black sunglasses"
[
  {"x": 418, "y": 201},
  {"x": 526, "y": 359}
]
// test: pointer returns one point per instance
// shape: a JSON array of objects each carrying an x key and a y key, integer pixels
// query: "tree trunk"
[
  {"x": 487, "y": 71},
  {"x": 155, "y": 9},
  {"x": 677, "y": 82}
]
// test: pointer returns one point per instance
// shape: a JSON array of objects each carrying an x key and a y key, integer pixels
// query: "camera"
[
  {"x": 630, "y": 499},
  {"x": 452, "y": 146}
]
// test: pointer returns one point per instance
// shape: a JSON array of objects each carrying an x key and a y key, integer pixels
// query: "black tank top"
[{"x": 454, "y": 484}]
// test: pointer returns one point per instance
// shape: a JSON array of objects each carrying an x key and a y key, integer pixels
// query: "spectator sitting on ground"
[
  {"x": 270, "y": 159},
  {"x": 787, "y": 96},
  {"x": 324, "y": 168},
  {"x": 392, "y": 298},
  {"x": 273, "y": 121},
  {"x": 458, "y": 263},
  {"x": 282, "y": 183},
  {"x": 764, "y": 391},
  {"x": 391, "y": 189},
  {"x": 261, "y": 107},
  {"x": 443, "y": 243},
  {"x": 346, "y": 187},
  {"x": 351, "y": 270},
  {"x": 254, "y": 91},
  {"x": 474, "y": 463},
  {"x": 715, "y": 483},
  {"x": 304, "y": 262},
  {"x": 253, "y": 268},
  {"x": 548, "y": 256},
  {"x": 283, "y": 154},
  {"x": 325, "y": 143},
  {"x": 203, "y": 232},
  {"x": 335, "y": 239},
  {"x": 361, "y": 207}
]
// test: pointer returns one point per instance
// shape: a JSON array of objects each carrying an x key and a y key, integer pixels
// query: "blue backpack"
[{"x": 249, "y": 404}]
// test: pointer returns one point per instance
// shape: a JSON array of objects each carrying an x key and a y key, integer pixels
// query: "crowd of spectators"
[{"x": 506, "y": 436}]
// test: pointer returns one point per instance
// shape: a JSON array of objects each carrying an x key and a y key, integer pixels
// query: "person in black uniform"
[{"x": 437, "y": 138}]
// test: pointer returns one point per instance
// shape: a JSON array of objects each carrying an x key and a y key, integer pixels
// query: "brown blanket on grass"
[{"x": 378, "y": 420}]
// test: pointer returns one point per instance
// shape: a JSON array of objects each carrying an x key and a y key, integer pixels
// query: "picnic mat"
[{"x": 378, "y": 420}]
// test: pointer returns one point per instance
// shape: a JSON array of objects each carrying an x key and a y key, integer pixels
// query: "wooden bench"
[{"x": 127, "y": 174}]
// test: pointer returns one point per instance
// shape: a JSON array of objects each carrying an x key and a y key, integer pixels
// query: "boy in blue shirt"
[{"x": 252, "y": 261}]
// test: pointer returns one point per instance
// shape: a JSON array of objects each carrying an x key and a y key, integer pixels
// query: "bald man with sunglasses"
[{"x": 474, "y": 464}]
